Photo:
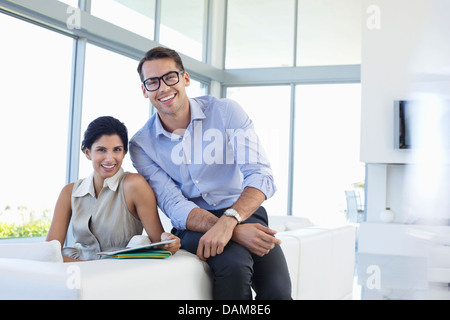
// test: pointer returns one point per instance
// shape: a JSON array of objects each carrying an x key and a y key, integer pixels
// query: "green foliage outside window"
[
  {"x": 26, "y": 224},
  {"x": 31, "y": 229}
]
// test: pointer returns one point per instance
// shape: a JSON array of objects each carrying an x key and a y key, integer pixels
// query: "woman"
[{"x": 105, "y": 210}]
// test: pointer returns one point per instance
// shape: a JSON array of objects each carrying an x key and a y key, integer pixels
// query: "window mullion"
[{"x": 75, "y": 114}]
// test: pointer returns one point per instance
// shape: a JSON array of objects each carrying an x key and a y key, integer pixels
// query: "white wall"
[
  {"x": 405, "y": 55},
  {"x": 409, "y": 46}
]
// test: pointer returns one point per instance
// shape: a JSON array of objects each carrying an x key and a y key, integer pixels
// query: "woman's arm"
[
  {"x": 61, "y": 218},
  {"x": 141, "y": 202}
]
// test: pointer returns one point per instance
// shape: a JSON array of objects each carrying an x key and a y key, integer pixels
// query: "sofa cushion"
[
  {"x": 40, "y": 251},
  {"x": 183, "y": 276}
]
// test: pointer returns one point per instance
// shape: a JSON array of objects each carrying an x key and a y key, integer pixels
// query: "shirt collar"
[
  {"x": 87, "y": 185},
  {"x": 196, "y": 110},
  {"x": 196, "y": 114},
  {"x": 159, "y": 127}
]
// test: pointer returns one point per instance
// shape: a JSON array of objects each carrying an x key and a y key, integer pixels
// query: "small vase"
[{"x": 387, "y": 215}]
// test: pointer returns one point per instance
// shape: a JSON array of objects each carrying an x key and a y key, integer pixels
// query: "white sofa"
[{"x": 320, "y": 262}]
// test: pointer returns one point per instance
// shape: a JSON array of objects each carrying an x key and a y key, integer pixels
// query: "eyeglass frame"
[{"x": 162, "y": 78}]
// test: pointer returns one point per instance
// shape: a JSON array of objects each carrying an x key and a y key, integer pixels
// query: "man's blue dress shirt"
[{"x": 207, "y": 167}]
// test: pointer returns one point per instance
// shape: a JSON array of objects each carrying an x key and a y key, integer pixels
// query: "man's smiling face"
[{"x": 168, "y": 100}]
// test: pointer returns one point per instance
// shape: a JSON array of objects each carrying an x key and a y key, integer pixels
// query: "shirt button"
[
  {"x": 196, "y": 181},
  {"x": 205, "y": 195},
  {"x": 214, "y": 204}
]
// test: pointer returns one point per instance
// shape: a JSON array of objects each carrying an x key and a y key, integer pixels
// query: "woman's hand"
[
  {"x": 173, "y": 247},
  {"x": 69, "y": 259}
]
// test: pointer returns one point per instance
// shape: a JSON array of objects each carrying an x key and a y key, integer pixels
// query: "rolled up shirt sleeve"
[{"x": 259, "y": 178}]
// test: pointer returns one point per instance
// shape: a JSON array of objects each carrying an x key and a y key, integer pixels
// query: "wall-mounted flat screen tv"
[
  {"x": 425, "y": 124},
  {"x": 402, "y": 123}
]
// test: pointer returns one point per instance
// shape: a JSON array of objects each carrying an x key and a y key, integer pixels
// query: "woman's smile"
[{"x": 109, "y": 168}]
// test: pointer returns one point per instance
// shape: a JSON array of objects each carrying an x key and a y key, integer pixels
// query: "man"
[{"x": 204, "y": 162}]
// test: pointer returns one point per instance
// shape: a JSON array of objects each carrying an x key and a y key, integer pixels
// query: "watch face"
[{"x": 233, "y": 213}]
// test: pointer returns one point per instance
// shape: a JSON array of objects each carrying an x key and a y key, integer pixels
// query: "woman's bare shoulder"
[
  {"x": 67, "y": 189},
  {"x": 135, "y": 181},
  {"x": 134, "y": 178}
]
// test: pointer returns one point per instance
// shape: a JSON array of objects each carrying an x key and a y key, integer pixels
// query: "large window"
[
  {"x": 137, "y": 16},
  {"x": 269, "y": 108},
  {"x": 329, "y": 32},
  {"x": 260, "y": 33},
  {"x": 327, "y": 135},
  {"x": 183, "y": 25},
  {"x": 35, "y": 96},
  {"x": 326, "y": 148}
]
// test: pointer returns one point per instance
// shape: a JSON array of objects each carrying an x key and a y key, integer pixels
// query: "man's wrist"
[
  {"x": 229, "y": 222},
  {"x": 200, "y": 220}
]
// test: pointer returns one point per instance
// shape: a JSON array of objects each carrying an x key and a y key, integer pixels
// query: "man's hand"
[
  {"x": 214, "y": 241},
  {"x": 256, "y": 238}
]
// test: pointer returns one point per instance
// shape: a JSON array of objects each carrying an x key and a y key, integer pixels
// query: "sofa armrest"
[
  {"x": 30, "y": 280},
  {"x": 326, "y": 262}
]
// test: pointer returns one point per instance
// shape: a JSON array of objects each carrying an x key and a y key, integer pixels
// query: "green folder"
[{"x": 141, "y": 254}]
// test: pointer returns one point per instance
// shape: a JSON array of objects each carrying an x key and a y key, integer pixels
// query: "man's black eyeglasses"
[{"x": 170, "y": 78}]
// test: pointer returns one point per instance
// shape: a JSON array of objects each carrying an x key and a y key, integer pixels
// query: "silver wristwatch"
[{"x": 233, "y": 213}]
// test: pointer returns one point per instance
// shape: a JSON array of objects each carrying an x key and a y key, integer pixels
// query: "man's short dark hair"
[{"x": 160, "y": 53}]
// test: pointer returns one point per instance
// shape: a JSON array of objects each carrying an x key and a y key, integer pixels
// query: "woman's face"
[{"x": 107, "y": 155}]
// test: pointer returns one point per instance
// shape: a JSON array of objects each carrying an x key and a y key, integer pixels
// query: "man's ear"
[
  {"x": 187, "y": 79},
  {"x": 144, "y": 91}
]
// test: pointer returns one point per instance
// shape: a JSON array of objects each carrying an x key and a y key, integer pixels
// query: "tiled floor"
[{"x": 379, "y": 277}]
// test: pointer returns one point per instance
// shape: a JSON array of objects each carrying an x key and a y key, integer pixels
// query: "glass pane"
[
  {"x": 34, "y": 116},
  {"x": 112, "y": 88},
  {"x": 329, "y": 32},
  {"x": 183, "y": 25},
  {"x": 327, "y": 135},
  {"x": 137, "y": 16},
  {"x": 196, "y": 89},
  {"x": 260, "y": 33},
  {"x": 272, "y": 127}
]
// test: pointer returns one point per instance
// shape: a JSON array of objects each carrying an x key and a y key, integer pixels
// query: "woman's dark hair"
[
  {"x": 104, "y": 126},
  {"x": 160, "y": 53}
]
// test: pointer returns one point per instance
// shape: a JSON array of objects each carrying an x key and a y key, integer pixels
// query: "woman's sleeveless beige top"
[{"x": 99, "y": 224}]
